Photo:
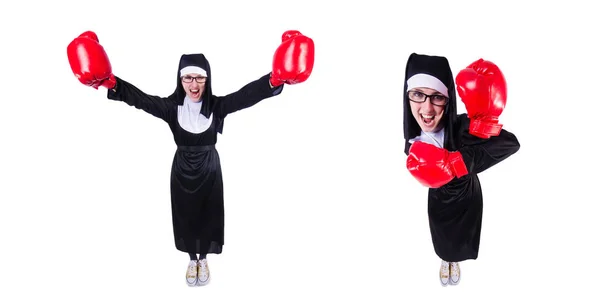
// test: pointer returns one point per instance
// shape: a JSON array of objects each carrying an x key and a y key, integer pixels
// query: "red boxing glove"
[
  {"x": 432, "y": 166},
  {"x": 482, "y": 88},
  {"x": 89, "y": 61},
  {"x": 293, "y": 60}
]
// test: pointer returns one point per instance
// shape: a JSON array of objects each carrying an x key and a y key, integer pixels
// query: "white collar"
[
  {"x": 434, "y": 138},
  {"x": 191, "y": 119}
]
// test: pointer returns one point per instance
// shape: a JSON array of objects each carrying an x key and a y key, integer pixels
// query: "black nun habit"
[
  {"x": 455, "y": 209},
  {"x": 196, "y": 179}
]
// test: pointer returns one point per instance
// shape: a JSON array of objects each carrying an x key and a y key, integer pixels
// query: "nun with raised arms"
[
  {"x": 195, "y": 115},
  {"x": 447, "y": 151}
]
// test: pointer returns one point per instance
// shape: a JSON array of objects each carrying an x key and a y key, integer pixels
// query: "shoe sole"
[
  {"x": 194, "y": 284},
  {"x": 200, "y": 283},
  {"x": 450, "y": 282}
]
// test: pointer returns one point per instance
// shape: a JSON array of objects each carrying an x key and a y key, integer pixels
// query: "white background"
[{"x": 320, "y": 210}]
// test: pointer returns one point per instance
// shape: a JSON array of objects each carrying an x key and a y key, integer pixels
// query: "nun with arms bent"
[{"x": 446, "y": 151}]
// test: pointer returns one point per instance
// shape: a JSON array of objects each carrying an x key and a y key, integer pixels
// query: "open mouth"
[
  {"x": 195, "y": 92},
  {"x": 427, "y": 119}
]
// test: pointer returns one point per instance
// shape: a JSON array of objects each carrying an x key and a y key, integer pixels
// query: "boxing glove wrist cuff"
[
  {"x": 485, "y": 128},
  {"x": 458, "y": 164},
  {"x": 109, "y": 83},
  {"x": 275, "y": 82}
]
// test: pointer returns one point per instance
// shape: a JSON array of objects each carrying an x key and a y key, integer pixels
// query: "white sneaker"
[
  {"x": 454, "y": 273},
  {"x": 203, "y": 272},
  {"x": 444, "y": 273},
  {"x": 191, "y": 275}
]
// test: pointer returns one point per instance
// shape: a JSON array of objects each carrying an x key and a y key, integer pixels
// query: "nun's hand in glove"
[
  {"x": 482, "y": 88},
  {"x": 433, "y": 166},
  {"x": 293, "y": 60},
  {"x": 89, "y": 61}
]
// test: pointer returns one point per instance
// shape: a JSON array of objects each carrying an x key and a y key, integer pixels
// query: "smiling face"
[
  {"x": 427, "y": 107},
  {"x": 193, "y": 84}
]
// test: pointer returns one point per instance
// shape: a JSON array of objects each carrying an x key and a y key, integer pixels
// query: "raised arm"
[
  {"x": 157, "y": 106},
  {"x": 482, "y": 88},
  {"x": 247, "y": 96},
  {"x": 293, "y": 62},
  {"x": 479, "y": 156},
  {"x": 90, "y": 64}
]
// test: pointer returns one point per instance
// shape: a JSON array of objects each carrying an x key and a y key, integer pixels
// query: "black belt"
[{"x": 195, "y": 148}]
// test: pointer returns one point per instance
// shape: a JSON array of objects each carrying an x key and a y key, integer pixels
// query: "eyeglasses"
[
  {"x": 189, "y": 79},
  {"x": 420, "y": 97}
]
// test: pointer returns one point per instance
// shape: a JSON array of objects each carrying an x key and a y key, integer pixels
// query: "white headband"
[
  {"x": 427, "y": 81},
  {"x": 193, "y": 70}
]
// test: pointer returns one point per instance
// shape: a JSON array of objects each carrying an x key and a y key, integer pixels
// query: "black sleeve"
[
  {"x": 132, "y": 96},
  {"x": 484, "y": 153},
  {"x": 247, "y": 96}
]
